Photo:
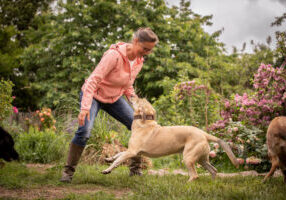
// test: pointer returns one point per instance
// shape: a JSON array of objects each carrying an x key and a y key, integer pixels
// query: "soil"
[
  {"x": 47, "y": 192},
  {"x": 53, "y": 192}
]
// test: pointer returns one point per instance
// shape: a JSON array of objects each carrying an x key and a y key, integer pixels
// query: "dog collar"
[{"x": 145, "y": 117}]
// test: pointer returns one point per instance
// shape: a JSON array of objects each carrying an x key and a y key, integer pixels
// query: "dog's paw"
[
  {"x": 191, "y": 179},
  {"x": 264, "y": 180},
  {"x": 214, "y": 175},
  {"x": 106, "y": 172}
]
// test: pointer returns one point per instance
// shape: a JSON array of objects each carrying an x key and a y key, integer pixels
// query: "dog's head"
[
  {"x": 143, "y": 108},
  {"x": 7, "y": 151}
]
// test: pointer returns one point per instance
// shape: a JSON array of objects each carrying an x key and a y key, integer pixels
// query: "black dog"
[{"x": 7, "y": 151}]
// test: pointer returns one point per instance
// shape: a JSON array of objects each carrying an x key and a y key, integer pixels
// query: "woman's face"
[{"x": 142, "y": 48}]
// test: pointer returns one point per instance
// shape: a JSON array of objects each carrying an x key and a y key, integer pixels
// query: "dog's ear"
[{"x": 139, "y": 110}]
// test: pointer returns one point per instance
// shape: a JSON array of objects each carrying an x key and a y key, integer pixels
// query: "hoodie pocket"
[{"x": 109, "y": 92}]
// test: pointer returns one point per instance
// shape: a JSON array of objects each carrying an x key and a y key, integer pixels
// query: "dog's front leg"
[
  {"x": 123, "y": 156},
  {"x": 111, "y": 159}
]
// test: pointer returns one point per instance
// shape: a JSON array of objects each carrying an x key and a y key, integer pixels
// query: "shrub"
[
  {"x": 41, "y": 146},
  {"x": 46, "y": 119},
  {"x": 189, "y": 103},
  {"x": 252, "y": 113},
  {"x": 247, "y": 143},
  {"x": 259, "y": 108}
]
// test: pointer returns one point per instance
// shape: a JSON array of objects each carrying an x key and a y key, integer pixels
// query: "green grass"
[{"x": 15, "y": 176}]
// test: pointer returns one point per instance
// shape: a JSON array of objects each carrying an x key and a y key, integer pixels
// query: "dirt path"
[
  {"x": 47, "y": 192},
  {"x": 162, "y": 172},
  {"x": 56, "y": 192}
]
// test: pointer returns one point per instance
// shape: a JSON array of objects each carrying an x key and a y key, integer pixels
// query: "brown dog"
[
  {"x": 152, "y": 140},
  {"x": 276, "y": 143}
]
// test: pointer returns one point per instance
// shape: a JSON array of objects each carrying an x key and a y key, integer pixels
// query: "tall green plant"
[
  {"x": 107, "y": 130},
  {"x": 41, "y": 146},
  {"x": 188, "y": 103},
  {"x": 6, "y": 99}
]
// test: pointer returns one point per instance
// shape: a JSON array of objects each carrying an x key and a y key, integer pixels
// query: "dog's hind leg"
[
  {"x": 215, "y": 170},
  {"x": 122, "y": 157},
  {"x": 210, "y": 168},
  {"x": 111, "y": 159},
  {"x": 275, "y": 164},
  {"x": 192, "y": 172},
  {"x": 190, "y": 157}
]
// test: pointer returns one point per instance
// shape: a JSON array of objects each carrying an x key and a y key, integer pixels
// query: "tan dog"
[
  {"x": 150, "y": 139},
  {"x": 276, "y": 143}
]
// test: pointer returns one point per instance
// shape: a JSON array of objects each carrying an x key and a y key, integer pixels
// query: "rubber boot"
[
  {"x": 135, "y": 166},
  {"x": 75, "y": 152}
]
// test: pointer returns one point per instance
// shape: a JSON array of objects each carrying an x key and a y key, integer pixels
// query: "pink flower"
[
  {"x": 42, "y": 119},
  {"x": 216, "y": 145},
  {"x": 241, "y": 147},
  {"x": 235, "y": 129},
  {"x": 14, "y": 97},
  {"x": 226, "y": 104},
  {"x": 237, "y": 98},
  {"x": 252, "y": 160},
  {"x": 15, "y": 110},
  {"x": 244, "y": 97},
  {"x": 212, "y": 154},
  {"x": 240, "y": 161},
  {"x": 191, "y": 82}
]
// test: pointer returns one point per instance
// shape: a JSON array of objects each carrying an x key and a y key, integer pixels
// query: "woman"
[{"x": 104, "y": 89}]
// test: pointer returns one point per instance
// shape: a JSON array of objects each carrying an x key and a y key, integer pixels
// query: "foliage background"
[{"x": 48, "y": 53}]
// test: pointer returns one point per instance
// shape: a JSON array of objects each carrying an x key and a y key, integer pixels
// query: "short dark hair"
[{"x": 146, "y": 35}]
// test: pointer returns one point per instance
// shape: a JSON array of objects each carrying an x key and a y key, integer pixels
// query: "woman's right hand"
[{"x": 81, "y": 117}]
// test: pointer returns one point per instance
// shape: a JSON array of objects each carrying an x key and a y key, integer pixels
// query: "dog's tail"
[{"x": 225, "y": 147}]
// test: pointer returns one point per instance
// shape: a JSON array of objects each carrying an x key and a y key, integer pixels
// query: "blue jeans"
[{"x": 120, "y": 110}]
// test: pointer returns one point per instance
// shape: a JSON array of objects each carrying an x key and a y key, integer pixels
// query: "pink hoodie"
[{"x": 112, "y": 77}]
